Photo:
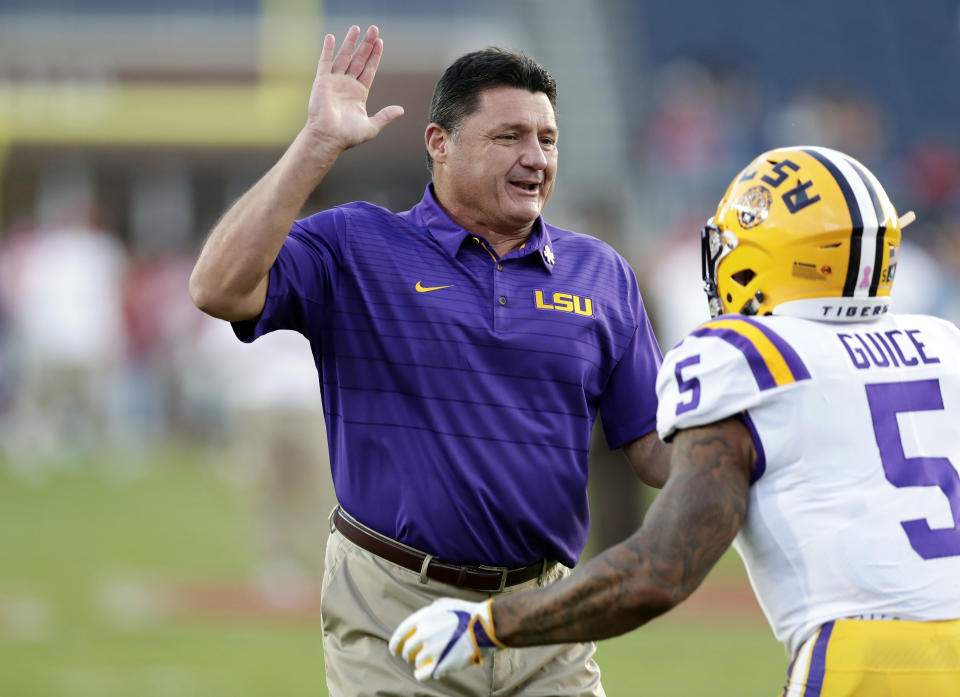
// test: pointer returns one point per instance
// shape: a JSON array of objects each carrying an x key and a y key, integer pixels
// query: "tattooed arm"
[{"x": 689, "y": 526}]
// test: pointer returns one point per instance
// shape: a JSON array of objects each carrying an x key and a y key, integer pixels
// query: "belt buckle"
[{"x": 503, "y": 575}]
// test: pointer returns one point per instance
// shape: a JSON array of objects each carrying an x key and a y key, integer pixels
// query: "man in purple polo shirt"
[{"x": 464, "y": 349}]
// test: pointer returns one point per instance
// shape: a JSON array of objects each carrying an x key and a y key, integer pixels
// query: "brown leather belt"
[{"x": 491, "y": 579}]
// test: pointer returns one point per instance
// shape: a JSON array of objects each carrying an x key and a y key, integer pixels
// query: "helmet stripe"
[
  {"x": 881, "y": 230},
  {"x": 863, "y": 220},
  {"x": 878, "y": 260},
  {"x": 856, "y": 221},
  {"x": 871, "y": 226},
  {"x": 871, "y": 190}
]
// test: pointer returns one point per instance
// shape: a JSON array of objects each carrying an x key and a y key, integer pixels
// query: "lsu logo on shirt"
[{"x": 564, "y": 302}]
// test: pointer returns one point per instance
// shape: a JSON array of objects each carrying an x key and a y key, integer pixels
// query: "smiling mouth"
[{"x": 526, "y": 187}]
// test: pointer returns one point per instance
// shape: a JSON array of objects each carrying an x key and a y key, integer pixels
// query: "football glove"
[{"x": 445, "y": 636}]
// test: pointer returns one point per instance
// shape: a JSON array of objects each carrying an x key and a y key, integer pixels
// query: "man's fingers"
[
  {"x": 410, "y": 650},
  {"x": 364, "y": 51},
  {"x": 345, "y": 53},
  {"x": 326, "y": 55},
  {"x": 399, "y": 638},
  {"x": 371, "y": 65},
  {"x": 424, "y": 670},
  {"x": 386, "y": 115}
]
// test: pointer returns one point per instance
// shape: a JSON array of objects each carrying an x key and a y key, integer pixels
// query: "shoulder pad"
[{"x": 721, "y": 368}]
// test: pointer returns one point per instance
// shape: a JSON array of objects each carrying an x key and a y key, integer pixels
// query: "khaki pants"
[{"x": 365, "y": 597}]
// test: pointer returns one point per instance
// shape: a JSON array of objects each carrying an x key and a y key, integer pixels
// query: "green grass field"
[{"x": 83, "y": 552}]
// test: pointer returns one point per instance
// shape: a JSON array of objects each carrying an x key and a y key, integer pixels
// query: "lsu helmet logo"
[{"x": 753, "y": 207}]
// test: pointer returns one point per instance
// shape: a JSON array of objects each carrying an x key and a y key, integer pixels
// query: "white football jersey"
[{"x": 855, "y": 498}]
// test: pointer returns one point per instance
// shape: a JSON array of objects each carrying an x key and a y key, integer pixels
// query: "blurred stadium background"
[{"x": 162, "y": 487}]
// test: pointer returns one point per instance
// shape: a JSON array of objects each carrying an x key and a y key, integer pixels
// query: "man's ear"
[{"x": 437, "y": 140}]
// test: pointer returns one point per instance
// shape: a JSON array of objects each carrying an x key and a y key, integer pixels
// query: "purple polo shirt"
[{"x": 459, "y": 390}]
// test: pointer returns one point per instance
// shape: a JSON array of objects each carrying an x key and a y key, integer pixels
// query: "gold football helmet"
[{"x": 806, "y": 231}]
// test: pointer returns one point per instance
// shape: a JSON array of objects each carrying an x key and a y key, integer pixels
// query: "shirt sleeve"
[
  {"x": 628, "y": 406},
  {"x": 302, "y": 280}
]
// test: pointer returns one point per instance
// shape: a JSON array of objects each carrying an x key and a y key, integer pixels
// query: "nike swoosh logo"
[{"x": 426, "y": 289}]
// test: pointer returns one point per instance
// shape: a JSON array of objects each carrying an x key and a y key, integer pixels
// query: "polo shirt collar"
[{"x": 450, "y": 236}]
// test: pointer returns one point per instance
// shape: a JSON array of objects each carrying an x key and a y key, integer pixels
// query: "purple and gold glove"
[{"x": 444, "y": 636}]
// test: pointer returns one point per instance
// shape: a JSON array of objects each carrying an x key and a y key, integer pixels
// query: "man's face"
[{"x": 499, "y": 167}]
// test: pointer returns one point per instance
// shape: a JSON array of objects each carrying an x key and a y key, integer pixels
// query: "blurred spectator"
[
  {"x": 834, "y": 117},
  {"x": 275, "y": 427},
  {"x": 929, "y": 268},
  {"x": 928, "y": 272},
  {"x": 947, "y": 253},
  {"x": 703, "y": 121},
  {"x": 684, "y": 135},
  {"x": 921, "y": 281},
  {"x": 671, "y": 274},
  {"x": 703, "y": 118},
  {"x": 161, "y": 321},
  {"x": 61, "y": 291},
  {"x": 932, "y": 173}
]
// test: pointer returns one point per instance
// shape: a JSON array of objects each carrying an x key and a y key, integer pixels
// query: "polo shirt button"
[
  {"x": 503, "y": 300},
  {"x": 499, "y": 267}
]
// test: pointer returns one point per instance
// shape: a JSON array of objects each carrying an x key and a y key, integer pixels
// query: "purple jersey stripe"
[
  {"x": 758, "y": 365},
  {"x": 760, "y": 466},
  {"x": 791, "y": 357},
  {"x": 818, "y": 660}
]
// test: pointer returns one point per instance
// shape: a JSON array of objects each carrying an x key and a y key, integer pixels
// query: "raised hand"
[
  {"x": 337, "y": 110},
  {"x": 445, "y": 636}
]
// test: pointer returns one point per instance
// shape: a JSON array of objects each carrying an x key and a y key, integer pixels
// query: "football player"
[{"x": 813, "y": 429}]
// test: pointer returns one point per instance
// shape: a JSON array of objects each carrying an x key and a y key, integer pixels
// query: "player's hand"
[
  {"x": 337, "y": 110},
  {"x": 445, "y": 636}
]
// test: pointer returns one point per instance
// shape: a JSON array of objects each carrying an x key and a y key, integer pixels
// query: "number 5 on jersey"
[
  {"x": 886, "y": 401},
  {"x": 691, "y": 385}
]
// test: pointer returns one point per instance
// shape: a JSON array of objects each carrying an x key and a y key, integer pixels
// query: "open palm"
[{"x": 337, "y": 110}]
